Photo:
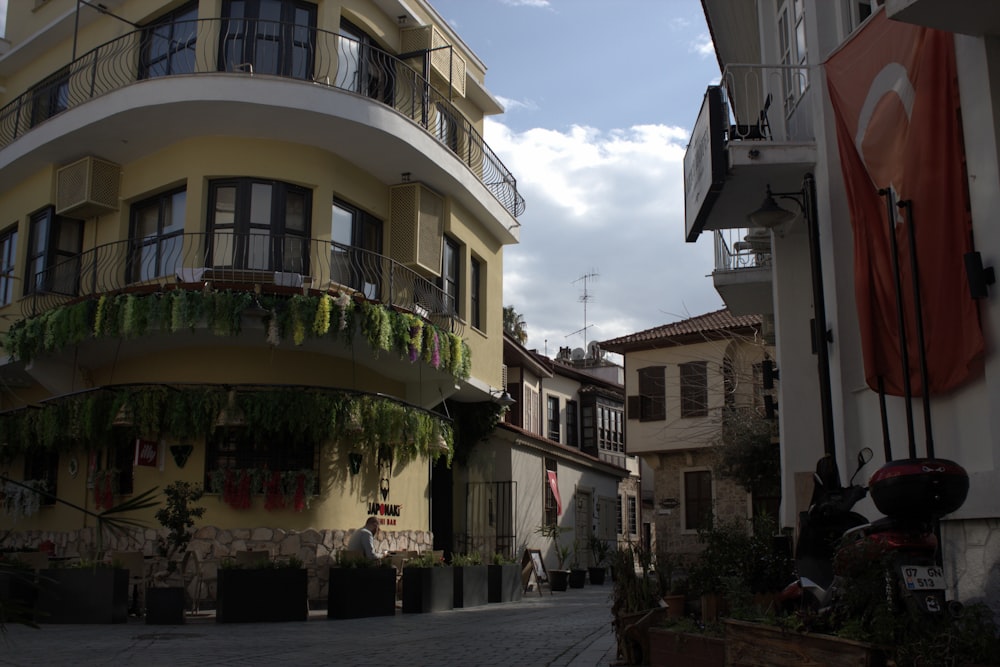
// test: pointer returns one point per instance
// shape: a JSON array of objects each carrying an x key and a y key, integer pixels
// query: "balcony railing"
[
  {"x": 256, "y": 48},
  {"x": 768, "y": 102},
  {"x": 737, "y": 249},
  {"x": 230, "y": 260}
]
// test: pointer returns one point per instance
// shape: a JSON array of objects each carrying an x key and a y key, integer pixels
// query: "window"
[
  {"x": 572, "y": 432},
  {"x": 50, "y": 97},
  {"x": 551, "y": 505},
  {"x": 553, "y": 418},
  {"x": 792, "y": 46},
  {"x": 268, "y": 37},
  {"x": 697, "y": 500},
  {"x": 633, "y": 521},
  {"x": 652, "y": 394},
  {"x": 449, "y": 275},
  {"x": 54, "y": 247},
  {"x": 236, "y": 448},
  {"x": 259, "y": 225},
  {"x": 856, "y": 12},
  {"x": 604, "y": 429},
  {"x": 42, "y": 465},
  {"x": 355, "y": 250},
  {"x": 532, "y": 420},
  {"x": 694, "y": 389},
  {"x": 362, "y": 67},
  {"x": 157, "y": 236},
  {"x": 168, "y": 44},
  {"x": 475, "y": 279},
  {"x": 8, "y": 255},
  {"x": 446, "y": 127}
]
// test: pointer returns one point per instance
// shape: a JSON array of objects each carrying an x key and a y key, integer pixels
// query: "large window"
[
  {"x": 449, "y": 282},
  {"x": 42, "y": 465},
  {"x": 697, "y": 499},
  {"x": 620, "y": 509},
  {"x": 54, "y": 247},
  {"x": 604, "y": 429},
  {"x": 475, "y": 287},
  {"x": 8, "y": 256},
  {"x": 259, "y": 225},
  {"x": 652, "y": 394},
  {"x": 552, "y": 417},
  {"x": 356, "y": 249},
  {"x": 633, "y": 516},
  {"x": 362, "y": 67},
  {"x": 237, "y": 449},
  {"x": 268, "y": 37},
  {"x": 50, "y": 97},
  {"x": 792, "y": 46},
  {"x": 168, "y": 44},
  {"x": 694, "y": 389},
  {"x": 572, "y": 429},
  {"x": 157, "y": 236}
]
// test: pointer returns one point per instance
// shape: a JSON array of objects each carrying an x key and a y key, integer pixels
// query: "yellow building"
[{"x": 255, "y": 245}]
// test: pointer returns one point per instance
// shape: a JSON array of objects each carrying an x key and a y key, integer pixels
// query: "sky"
[{"x": 600, "y": 99}]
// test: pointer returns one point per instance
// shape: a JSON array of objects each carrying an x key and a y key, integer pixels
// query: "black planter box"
[
  {"x": 471, "y": 586},
  {"x": 597, "y": 575},
  {"x": 259, "y": 595},
  {"x": 360, "y": 592},
  {"x": 18, "y": 595},
  {"x": 504, "y": 583},
  {"x": 558, "y": 580},
  {"x": 577, "y": 578},
  {"x": 428, "y": 589},
  {"x": 165, "y": 606},
  {"x": 83, "y": 595}
]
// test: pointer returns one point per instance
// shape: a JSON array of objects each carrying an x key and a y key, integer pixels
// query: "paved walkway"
[{"x": 570, "y": 629}]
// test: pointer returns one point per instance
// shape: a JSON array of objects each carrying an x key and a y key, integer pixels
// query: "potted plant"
[
  {"x": 559, "y": 577},
  {"x": 270, "y": 591},
  {"x": 471, "y": 580},
  {"x": 427, "y": 585},
  {"x": 599, "y": 550},
  {"x": 577, "y": 574},
  {"x": 635, "y": 603},
  {"x": 504, "y": 579},
  {"x": 360, "y": 588},
  {"x": 165, "y": 599}
]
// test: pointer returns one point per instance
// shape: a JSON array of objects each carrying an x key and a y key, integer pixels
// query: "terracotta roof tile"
[{"x": 720, "y": 320}]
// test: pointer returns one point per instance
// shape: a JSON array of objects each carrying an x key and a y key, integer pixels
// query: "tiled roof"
[{"x": 720, "y": 320}]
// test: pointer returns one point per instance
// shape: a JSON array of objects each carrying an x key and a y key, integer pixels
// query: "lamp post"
[{"x": 769, "y": 216}]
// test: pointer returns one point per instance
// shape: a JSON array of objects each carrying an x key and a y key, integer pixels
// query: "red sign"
[
  {"x": 554, "y": 485},
  {"x": 146, "y": 452}
]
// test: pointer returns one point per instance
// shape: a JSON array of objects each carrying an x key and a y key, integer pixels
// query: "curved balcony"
[
  {"x": 251, "y": 262},
  {"x": 243, "y": 48}
]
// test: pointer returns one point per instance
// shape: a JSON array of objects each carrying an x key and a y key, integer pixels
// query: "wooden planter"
[
  {"x": 760, "y": 645},
  {"x": 165, "y": 606},
  {"x": 504, "y": 583},
  {"x": 669, "y": 648},
  {"x": 360, "y": 592},
  {"x": 83, "y": 595},
  {"x": 428, "y": 589},
  {"x": 266, "y": 594},
  {"x": 471, "y": 586},
  {"x": 577, "y": 578}
]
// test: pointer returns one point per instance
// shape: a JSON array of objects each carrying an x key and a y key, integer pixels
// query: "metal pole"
[{"x": 76, "y": 29}]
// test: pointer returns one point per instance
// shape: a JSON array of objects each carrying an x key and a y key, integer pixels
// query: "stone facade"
[
  {"x": 316, "y": 548},
  {"x": 971, "y": 549}
]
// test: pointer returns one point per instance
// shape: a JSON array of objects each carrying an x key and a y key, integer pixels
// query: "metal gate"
[{"x": 490, "y": 508}]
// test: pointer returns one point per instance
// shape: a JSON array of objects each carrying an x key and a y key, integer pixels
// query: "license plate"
[{"x": 923, "y": 577}]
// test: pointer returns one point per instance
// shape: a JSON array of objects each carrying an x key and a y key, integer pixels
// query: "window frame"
[
  {"x": 164, "y": 244},
  {"x": 42, "y": 464},
  {"x": 365, "y": 239},
  {"x": 373, "y": 71},
  {"x": 652, "y": 393},
  {"x": 552, "y": 418},
  {"x": 8, "y": 264},
  {"x": 451, "y": 273},
  {"x": 695, "y": 516},
  {"x": 245, "y": 32},
  {"x": 572, "y": 424},
  {"x": 45, "y": 254},
  {"x": 50, "y": 97},
  {"x": 179, "y": 30},
  {"x": 239, "y": 448},
  {"x": 475, "y": 287},
  {"x": 693, "y": 389},
  {"x": 550, "y": 509},
  {"x": 632, "y": 510}
]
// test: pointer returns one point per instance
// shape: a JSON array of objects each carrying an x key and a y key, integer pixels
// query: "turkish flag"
[
  {"x": 894, "y": 91},
  {"x": 554, "y": 485}
]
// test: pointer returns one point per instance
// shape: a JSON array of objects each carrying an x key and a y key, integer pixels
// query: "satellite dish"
[
  {"x": 578, "y": 354},
  {"x": 594, "y": 350}
]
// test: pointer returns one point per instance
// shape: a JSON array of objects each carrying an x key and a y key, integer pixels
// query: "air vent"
[
  {"x": 416, "y": 217},
  {"x": 87, "y": 188},
  {"x": 447, "y": 66}
]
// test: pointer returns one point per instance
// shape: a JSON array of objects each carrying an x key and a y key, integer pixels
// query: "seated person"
[{"x": 363, "y": 539}]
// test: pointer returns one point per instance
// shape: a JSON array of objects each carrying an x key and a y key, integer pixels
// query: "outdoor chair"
[{"x": 135, "y": 563}]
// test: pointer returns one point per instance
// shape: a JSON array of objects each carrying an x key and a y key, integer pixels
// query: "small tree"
[{"x": 178, "y": 517}]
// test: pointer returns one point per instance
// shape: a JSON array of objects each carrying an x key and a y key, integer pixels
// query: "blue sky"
[{"x": 600, "y": 96}]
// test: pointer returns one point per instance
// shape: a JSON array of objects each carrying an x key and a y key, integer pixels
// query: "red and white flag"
[
  {"x": 554, "y": 485},
  {"x": 894, "y": 91}
]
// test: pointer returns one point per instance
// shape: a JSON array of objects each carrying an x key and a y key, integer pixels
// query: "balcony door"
[
  {"x": 54, "y": 247},
  {"x": 362, "y": 67},
  {"x": 259, "y": 225},
  {"x": 275, "y": 37},
  {"x": 356, "y": 249}
]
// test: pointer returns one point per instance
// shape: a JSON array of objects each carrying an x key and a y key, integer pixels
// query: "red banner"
[
  {"x": 146, "y": 452},
  {"x": 554, "y": 485},
  {"x": 894, "y": 91}
]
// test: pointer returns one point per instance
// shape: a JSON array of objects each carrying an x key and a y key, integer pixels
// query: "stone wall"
[
  {"x": 971, "y": 549},
  {"x": 316, "y": 548}
]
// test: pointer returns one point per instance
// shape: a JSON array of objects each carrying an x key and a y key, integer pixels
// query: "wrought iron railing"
[
  {"x": 764, "y": 101},
  {"x": 263, "y": 48},
  {"x": 737, "y": 249},
  {"x": 228, "y": 260}
]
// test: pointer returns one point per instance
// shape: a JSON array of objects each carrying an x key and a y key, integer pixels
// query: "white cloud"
[
  {"x": 703, "y": 45},
  {"x": 527, "y": 3},
  {"x": 604, "y": 202},
  {"x": 510, "y": 104}
]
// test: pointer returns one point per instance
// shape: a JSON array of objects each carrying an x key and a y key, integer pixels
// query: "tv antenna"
[{"x": 585, "y": 298}]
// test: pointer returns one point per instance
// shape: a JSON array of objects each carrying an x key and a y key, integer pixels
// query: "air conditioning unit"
[
  {"x": 87, "y": 188},
  {"x": 416, "y": 223},
  {"x": 447, "y": 66}
]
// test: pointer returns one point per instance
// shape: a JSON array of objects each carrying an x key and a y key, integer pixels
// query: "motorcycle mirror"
[{"x": 864, "y": 456}]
